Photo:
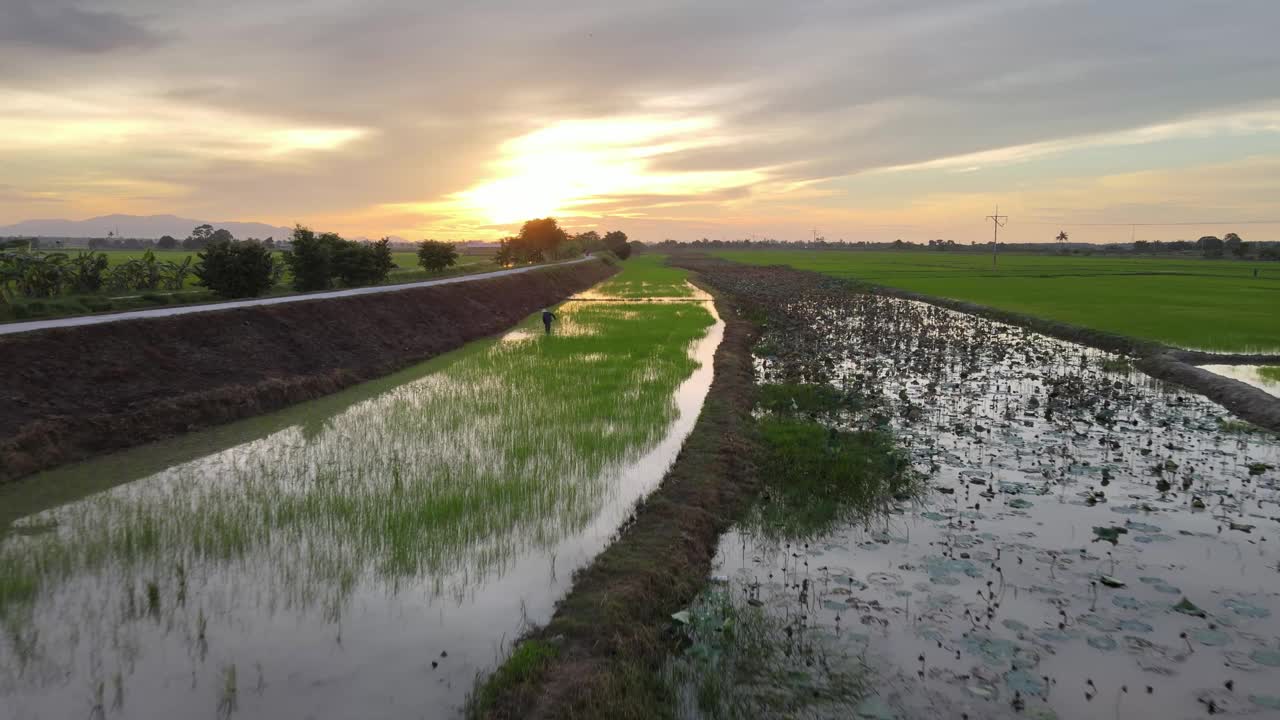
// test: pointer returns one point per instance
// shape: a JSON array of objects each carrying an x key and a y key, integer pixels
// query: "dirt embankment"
[
  {"x": 71, "y": 394},
  {"x": 600, "y": 654}
]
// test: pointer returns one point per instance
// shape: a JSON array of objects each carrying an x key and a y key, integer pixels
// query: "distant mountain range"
[{"x": 136, "y": 226}]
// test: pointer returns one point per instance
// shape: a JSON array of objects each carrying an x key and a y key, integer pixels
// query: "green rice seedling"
[{"x": 647, "y": 276}]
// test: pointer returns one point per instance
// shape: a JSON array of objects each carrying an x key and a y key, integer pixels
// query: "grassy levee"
[
  {"x": 1202, "y": 304},
  {"x": 602, "y": 652}
]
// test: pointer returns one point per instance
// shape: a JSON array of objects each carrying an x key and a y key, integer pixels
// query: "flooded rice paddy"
[
  {"x": 1091, "y": 544},
  {"x": 365, "y": 555}
]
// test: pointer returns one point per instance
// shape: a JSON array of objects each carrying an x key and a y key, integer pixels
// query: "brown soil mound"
[{"x": 70, "y": 394}]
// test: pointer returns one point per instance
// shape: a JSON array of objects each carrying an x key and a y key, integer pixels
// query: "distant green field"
[{"x": 1208, "y": 304}]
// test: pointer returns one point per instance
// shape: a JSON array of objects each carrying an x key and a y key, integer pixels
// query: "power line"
[{"x": 998, "y": 222}]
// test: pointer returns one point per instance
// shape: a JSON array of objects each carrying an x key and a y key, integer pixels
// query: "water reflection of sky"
[{"x": 989, "y": 596}]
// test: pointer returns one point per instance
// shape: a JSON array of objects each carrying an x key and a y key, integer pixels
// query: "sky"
[{"x": 849, "y": 119}]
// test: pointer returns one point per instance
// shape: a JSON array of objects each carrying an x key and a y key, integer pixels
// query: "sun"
[
  {"x": 568, "y": 166},
  {"x": 520, "y": 197}
]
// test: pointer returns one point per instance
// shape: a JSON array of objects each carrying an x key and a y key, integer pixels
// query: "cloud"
[
  {"x": 337, "y": 108},
  {"x": 60, "y": 25}
]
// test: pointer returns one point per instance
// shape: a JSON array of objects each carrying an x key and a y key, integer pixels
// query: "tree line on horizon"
[{"x": 1209, "y": 246}]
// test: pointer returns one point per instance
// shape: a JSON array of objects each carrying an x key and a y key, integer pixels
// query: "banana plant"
[
  {"x": 85, "y": 272},
  {"x": 174, "y": 275}
]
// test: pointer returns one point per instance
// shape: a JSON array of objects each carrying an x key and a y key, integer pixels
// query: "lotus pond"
[
  {"x": 364, "y": 555},
  {"x": 1089, "y": 542}
]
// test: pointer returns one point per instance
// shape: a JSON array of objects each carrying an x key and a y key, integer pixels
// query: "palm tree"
[{"x": 1062, "y": 236}]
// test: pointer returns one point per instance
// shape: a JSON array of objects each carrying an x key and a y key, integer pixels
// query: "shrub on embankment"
[
  {"x": 77, "y": 392},
  {"x": 318, "y": 261},
  {"x": 236, "y": 269}
]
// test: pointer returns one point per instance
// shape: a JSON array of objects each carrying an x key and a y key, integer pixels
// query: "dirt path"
[
  {"x": 81, "y": 320},
  {"x": 72, "y": 393}
]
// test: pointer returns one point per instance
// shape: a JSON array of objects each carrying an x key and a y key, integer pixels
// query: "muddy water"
[
  {"x": 1094, "y": 545},
  {"x": 293, "y": 595},
  {"x": 1249, "y": 374}
]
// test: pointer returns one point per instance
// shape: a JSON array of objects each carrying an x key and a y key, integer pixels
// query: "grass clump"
[
  {"x": 528, "y": 660},
  {"x": 806, "y": 399},
  {"x": 1115, "y": 364},
  {"x": 741, "y": 662},
  {"x": 818, "y": 477},
  {"x": 818, "y": 473}
]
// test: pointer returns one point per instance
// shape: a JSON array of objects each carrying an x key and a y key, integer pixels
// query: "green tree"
[
  {"x": 434, "y": 255},
  {"x": 360, "y": 263},
  {"x": 616, "y": 242},
  {"x": 537, "y": 239},
  {"x": 200, "y": 236},
  {"x": 1062, "y": 236},
  {"x": 310, "y": 260},
  {"x": 590, "y": 241},
  {"x": 167, "y": 242},
  {"x": 234, "y": 269},
  {"x": 1210, "y": 246},
  {"x": 1232, "y": 243},
  {"x": 506, "y": 253}
]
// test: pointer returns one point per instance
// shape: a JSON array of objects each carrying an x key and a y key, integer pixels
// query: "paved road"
[{"x": 21, "y": 327}]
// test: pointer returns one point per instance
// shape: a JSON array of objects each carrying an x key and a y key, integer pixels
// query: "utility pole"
[{"x": 998, "y": 222}]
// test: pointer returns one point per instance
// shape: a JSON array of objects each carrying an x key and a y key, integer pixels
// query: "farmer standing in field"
[{"x": 547, "y": 317}]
